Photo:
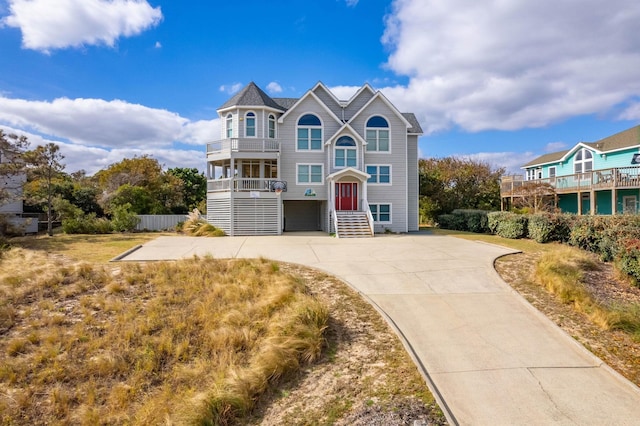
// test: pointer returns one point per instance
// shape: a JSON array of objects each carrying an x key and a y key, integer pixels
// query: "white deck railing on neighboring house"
[
  {"x": 227, "y": 146},
  {"x": 616, "y": 178}
]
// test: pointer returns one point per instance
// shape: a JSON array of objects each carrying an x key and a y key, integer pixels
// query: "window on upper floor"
[
  {"x": 346, "y": 154},
  {"x": 309, "y": 173},
  {"x": 377, "y": 134},
  {"x": 552, "y": 172},
  {"x": 229, "y": 126},
  {"x": 272, "y": 126},
  {"x": 379, "y": 174},
  {"x": 309, "y": 133},
  {"x": 250, "y": 125},
  {"x": 583, "y": 161}
]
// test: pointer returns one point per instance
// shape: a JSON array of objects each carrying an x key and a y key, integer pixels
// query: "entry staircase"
[{"x": 353, "y": 224}]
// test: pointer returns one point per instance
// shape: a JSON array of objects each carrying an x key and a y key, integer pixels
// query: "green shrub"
[
  {"x": 507, "y": 224},
  {"x": 603, "y": 234},
  {"x": 124, "y": 219},
  {"x": 628, "y": 259},
  {"x": 86, "y": 224},
  {"x": 546, "y": 227},
  {"x": 451, "y": 221}
]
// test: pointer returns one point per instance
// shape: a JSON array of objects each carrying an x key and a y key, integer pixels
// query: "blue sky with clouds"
[{"x": 498, "y": 81}]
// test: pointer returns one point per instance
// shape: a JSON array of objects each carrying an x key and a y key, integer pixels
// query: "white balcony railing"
[
  {"x": 226, "y": 146},
  {"x": 242, "y": 184}
]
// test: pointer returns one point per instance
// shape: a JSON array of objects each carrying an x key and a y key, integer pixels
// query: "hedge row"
[{"x": 613, "y": 238}]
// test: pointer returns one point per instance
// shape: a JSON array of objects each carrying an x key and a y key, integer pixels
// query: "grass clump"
[
  {"x": 194, "y": 341},
  {"x": 197, "y": 226},
  {"x": 562, "y": 272}
]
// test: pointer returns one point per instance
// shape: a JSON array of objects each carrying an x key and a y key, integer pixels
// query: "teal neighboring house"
[{"x": 600, "y": 177}]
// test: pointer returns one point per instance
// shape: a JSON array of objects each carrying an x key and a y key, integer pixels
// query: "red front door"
[{"x": 347, "y": 196}]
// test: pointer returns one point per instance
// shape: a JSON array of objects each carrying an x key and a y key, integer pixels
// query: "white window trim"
[
  {"x": 555, "y": 172},
  {"x": 377, "y": 166},
  {"x": 255, "y": 125},
  {"x": 228, "y": 127},
  {"x": 354, "y": 148},
  {"x": 583, "y": 161},
  {"x": 321, "y": 127},
  {"x": 377, "y": 151},
  {"x": 275, "y": 127},
  {"x": 378, "y": 213},
  {"x": 310, "y": 183}
]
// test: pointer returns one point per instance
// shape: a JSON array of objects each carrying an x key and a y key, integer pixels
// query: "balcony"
[
  {"x": 249, "y": 147},
  {"x": 244, "y": 184},
  {"x": 606, "y": 179}
]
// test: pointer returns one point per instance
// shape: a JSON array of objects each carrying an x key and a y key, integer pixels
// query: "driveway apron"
[{"x": 488, "y": 356}]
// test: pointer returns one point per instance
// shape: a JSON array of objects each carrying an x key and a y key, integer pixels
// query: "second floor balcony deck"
[
  {"x": 225, "y": 148},
  {"x": 596, "y": 180}
]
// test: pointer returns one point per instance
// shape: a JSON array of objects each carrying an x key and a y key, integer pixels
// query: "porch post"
[
  {"x": 579, "y": 203},
  {"x": 614, "y": 196},
  {"x": 592, "y": 202}
]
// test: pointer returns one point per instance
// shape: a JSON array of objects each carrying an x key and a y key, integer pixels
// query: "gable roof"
[
  {"x": 251, "y": 95},
  {"x": 626, "y": 139},
  {"x": 380, "y": 96},
  {"x": 413, "y": 120},
  {"x": 285, "y": 103}
]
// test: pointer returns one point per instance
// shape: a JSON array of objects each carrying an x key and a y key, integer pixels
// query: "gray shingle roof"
[
  {"x": 251, "y": 95},
  {"x": 285, "y": 103},
  {"x": 625, "y": 139},
  {"x": 415, "y": 125}
]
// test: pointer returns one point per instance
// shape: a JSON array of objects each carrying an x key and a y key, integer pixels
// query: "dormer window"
[
  {"x": 345, "y": 152},
  {"x": 229, "y": 126},
  {"x": 272, "y": 126},
  {"x": 583, "y": 161},
  {"x": 250, "y": 125}
]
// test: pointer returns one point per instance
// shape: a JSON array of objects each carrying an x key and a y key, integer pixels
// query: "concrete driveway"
[{"x": 489, "y": 357}]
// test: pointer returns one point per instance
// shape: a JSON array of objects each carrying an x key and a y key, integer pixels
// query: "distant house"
[
  {"x": 600, "y": 177},
  {"x": 11, "y": 200},
  {"x": 313, "y": 163}
]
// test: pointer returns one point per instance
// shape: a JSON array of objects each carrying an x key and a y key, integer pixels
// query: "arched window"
[
  {"x": 377, "y": 132},
  {"x": 309, "y": 133},
  {"x": 272, "y": 126},
  {"x": 250, "y": 125},
  {"x": 229, "y": 126},
  {"x": 583, "y": 161},
  {"x": 345, "y": 152}
]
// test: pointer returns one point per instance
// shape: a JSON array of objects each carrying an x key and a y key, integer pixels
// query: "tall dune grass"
[{"x": 195, "y": 341}]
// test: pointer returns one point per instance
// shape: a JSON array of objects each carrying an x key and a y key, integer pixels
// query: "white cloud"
[
  {"x": 199, "y": 132},
  {"x": 158, "y": 45},
  {"x": 352, "y": 3},
  {"x": 230, "y": 89},
  {"x": 555, "y": 146},
  {"x": 59, "y": 24},
  {"x": 632, "y": 112},
  {"x": 274, "y": 87},
  {"x": 512, "y": 65},
  {"x": 95, "y": 121},
  {"x": 344, "y": 93}
]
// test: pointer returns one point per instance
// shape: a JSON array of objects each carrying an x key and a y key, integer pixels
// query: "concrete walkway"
[{"x": 488, "y": 356}]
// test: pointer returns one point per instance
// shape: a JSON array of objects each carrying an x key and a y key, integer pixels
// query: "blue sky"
[{"x": 498, "y": 81}]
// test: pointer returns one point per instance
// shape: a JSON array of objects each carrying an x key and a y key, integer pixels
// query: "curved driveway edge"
[{"x": 489, "y": 356}]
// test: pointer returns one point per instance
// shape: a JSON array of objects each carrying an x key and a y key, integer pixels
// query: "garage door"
[{"x": 301, "y": 215}]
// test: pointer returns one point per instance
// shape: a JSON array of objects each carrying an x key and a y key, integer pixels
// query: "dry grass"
[
  {"x": 198, "y": 227},
  {"x": 194, "y": 341}
]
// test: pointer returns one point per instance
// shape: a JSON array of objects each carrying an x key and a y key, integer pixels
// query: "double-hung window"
[
  {"x": 379, "y": 174},
  {"x": 309, "y": 173},
  {"x": 345, "y": 152},
  {"x": 272, "y": 126},
  {"x": 229, "y": 125},
  {"x": 309, "y": 133},
  {"x": 250, "y": 125},
  {"x": 377, "y": 134},
  {"x": 381, "y": 212}
]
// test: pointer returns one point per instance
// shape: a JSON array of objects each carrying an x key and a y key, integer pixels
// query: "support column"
[
  {"x": 614, "y": 198},
  {"x": 592, "y": 202},
  {"x": 579, "y": 203}
]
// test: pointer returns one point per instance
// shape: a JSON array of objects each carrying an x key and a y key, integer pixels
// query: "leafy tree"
[
  {"x": 536, "y": 197},
  {"x": 124, "y": 219},
  {"x": 453, "y": 183},
  {"x": 141, "y": 182},
  {"x": 44, "y": 173},
  {"x": 194, "y": 186}
]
